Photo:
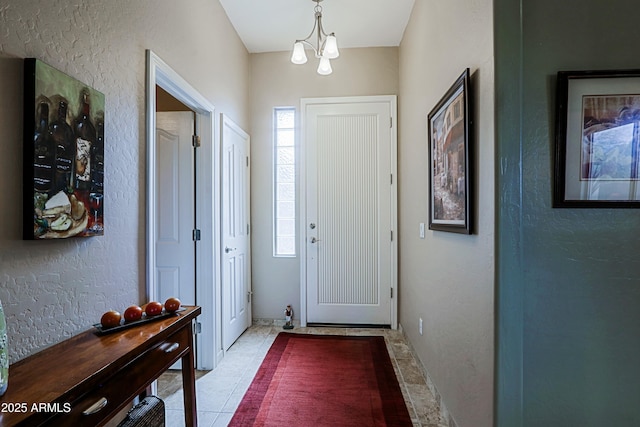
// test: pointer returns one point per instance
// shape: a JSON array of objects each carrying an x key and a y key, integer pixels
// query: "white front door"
[
  {"x": 236, "y": 266},
  {"x": 350, "y": 210},
  {"x": 175, "y": 207}
]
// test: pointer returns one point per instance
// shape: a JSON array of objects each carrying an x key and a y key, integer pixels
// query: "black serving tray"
[{"x": 143, "y": 320}]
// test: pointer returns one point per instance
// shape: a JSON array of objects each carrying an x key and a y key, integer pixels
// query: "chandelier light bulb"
[
  {"x": 331, "y": 47},
  {"x": 298, "y": 56},
  {"x": 324, "y": 68}
]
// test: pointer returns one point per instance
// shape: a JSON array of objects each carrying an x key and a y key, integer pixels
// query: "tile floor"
[{"x": 220, "y": 391}]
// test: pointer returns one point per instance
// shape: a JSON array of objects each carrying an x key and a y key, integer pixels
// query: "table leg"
[{"x": 189, "y": 387}]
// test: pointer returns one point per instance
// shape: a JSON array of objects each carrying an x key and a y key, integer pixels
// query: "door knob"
[
  {"x": 314, "y": 240},
  {"x": 228, "y": 249}
]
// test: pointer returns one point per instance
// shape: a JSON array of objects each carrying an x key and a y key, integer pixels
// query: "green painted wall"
[{"x": 568, "y": 280}]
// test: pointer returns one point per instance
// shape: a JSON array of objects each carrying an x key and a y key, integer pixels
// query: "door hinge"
[
  {"x": 247, "y": 229},
  {"x": 197, "y": 327},
  {"x": 392, "y": 235},
  {"x": 247, "y": 161},
  {"x": 195, "y": 141},
  {"x": 391, "y": 179},
  {"x": 391, "y": 293},
  {"x": 390, "y": 122},
  {"x": 196, "y": 235}
]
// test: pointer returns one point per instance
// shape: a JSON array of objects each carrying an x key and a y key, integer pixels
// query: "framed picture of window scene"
[
  {"x": 63, "y": 171},
  {"x": 449, "y": 132},
  {"x": 597, "y": 141}
]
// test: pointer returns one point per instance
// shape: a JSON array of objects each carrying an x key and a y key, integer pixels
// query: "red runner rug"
[{"x": 322, "y": 380}]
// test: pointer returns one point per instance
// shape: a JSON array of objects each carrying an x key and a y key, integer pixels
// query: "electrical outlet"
[
  {"x": 420, "y": 327},
  {"x": 422, "y": 230}
]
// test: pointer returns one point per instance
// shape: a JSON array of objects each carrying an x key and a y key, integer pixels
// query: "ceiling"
[{"x": 273, "y": 25}]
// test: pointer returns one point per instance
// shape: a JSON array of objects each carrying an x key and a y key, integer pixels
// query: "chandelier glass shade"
[{"x": 324, "y": 46}]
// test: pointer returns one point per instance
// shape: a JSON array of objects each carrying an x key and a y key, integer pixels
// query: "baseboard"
[
  {"x": 444, "y": 412},
  {"x": 274, "y": 322}
]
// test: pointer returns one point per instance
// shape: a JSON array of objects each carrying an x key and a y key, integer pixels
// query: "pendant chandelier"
[{"x": 325, "y": 47}]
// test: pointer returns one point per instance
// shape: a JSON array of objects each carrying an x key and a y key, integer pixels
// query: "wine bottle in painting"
[
  {"x": 61, "y": 135},
  {"x": 96, "y": 197},
  {"x": 85, "y": 134},
  {"x": 97, "y": 158},
  {"x": 44, "y": 155}
]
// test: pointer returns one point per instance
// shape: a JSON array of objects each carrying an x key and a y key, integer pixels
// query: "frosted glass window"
[{"x": 284, "y": 177}]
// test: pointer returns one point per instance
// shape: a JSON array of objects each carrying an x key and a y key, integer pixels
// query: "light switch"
[{"x": 422, "y": 230}]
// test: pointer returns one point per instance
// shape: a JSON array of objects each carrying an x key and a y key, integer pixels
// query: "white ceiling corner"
[{"x": 273, "y": 25}]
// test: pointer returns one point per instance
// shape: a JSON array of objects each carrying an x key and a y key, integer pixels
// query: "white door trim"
[
  {"x": 306, "y": 102},
  {"x": 208, "y": 343}
]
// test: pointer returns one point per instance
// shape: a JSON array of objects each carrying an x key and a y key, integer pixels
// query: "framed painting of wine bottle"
[{"x": 63, "y": 174}]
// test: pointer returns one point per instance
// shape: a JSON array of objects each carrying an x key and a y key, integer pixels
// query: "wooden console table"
[{"x": 89, "y": 378}]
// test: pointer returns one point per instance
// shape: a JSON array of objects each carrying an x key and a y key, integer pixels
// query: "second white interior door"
[{"x": 236, "y": 263}]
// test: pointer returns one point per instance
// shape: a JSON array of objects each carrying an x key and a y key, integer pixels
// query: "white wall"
[
  {"x": 51, "y": 290},
  {"x": 448, "y": 279},
  {"x": 276, "y": 82}
]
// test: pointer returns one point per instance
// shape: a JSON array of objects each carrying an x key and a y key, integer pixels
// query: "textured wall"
[
  {"x": 570, "y": 356},
  {"x": 53, "y": 289},
  {"x": 276, "y": 82},
  {"x": 448, "y": 279}
]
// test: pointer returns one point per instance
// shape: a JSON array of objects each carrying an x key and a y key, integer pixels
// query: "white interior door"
[
  {"x": 236, "y": 266},
  {"x": 350, "y": 210},
  {"x": 175, "y": 207}
]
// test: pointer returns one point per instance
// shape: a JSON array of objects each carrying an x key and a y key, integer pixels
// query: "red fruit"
[
  {"x": 110, "y": 319},
  {"x": 153, "y": 308},
  {"x": 132, "y": 313},
  {"x": 172, "y": 304}
]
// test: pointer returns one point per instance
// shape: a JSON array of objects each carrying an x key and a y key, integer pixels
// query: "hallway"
[{"x": 221, "y": 390}]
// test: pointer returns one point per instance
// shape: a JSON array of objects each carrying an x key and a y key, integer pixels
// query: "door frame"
[
  {"x": 208, "y": 342},
  {"x": 304, "y": 104}
]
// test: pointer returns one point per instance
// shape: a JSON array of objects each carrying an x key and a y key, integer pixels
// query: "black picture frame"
[
  {"x": 63, "y": 162},
  {"x": 597, "y": 139},
  {"x": 449, "y": 132}
]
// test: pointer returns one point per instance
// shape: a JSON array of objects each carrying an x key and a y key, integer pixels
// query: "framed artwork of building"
[
  {"x": 449, "y": 130},
  {"x": 597, "y": 145}
]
